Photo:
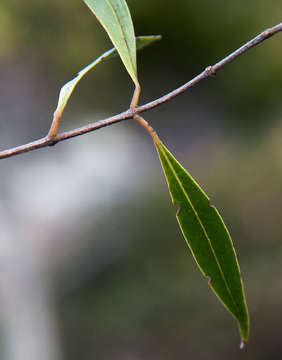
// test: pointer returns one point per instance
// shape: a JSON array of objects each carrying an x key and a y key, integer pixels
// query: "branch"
[{"x": 208, "y": 72}]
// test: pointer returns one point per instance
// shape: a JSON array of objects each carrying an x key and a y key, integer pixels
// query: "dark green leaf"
[{"x": 207, "y": 237}]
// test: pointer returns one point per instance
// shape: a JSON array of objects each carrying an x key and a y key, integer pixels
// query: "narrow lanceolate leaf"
[
  {"x": 115, "y": 17},
  {"x": 146, "y": 40},
  {"x": 68, "y": 88},
  {"x": 207, "y": 237}
]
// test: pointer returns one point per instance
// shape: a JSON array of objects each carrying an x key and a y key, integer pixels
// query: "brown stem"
[
  {"x": 135, "y": 97},
  {"x": 55, "y": 125},
  {"x": 146, "y": 126},
  {"x": 208, "y": 72}
]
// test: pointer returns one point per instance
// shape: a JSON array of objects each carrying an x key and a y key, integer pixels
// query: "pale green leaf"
[
  {"x": 115, "y": 17},
  {"x": 68, "y": 88},
  {"x": 146, "y": 40},
  {"x": 207, "y": 237}
]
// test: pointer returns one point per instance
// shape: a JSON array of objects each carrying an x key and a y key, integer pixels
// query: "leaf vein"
[{"x": 122, "y": 35}]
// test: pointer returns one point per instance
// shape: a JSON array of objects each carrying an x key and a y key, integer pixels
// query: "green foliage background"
[{"x": 151, "y": 302}]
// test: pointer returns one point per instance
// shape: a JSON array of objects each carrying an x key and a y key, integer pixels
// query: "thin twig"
[{"x": 208, "y": 72}]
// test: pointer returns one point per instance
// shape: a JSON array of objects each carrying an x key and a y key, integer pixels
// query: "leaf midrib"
[{"x": 123, "y": 37}]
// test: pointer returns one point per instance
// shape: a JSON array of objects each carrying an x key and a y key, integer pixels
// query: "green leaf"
[
  {"x": 115, "y": 17},
  {"x": 207, "y": 238},
  {"x": 144, "y": 41},
  {"x": 68, "y": 88},
  {"x": 141, "y": 42}
]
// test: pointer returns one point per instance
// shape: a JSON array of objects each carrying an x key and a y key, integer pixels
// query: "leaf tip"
[
  {"x": 243, "y": 344},
  {"x": 158, "y": 37}
]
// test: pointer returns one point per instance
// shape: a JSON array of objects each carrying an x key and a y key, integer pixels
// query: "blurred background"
[{"x": 93, "y": 265}]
